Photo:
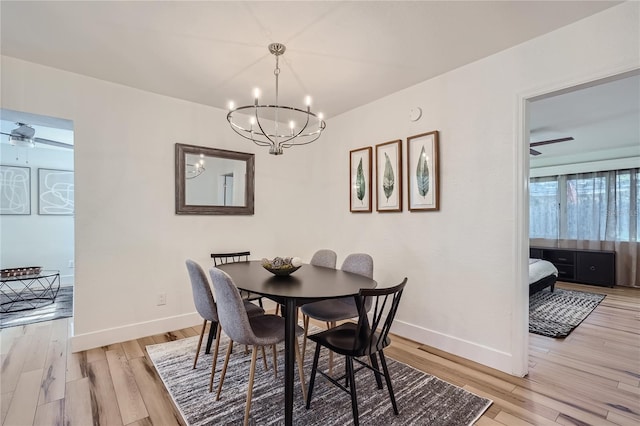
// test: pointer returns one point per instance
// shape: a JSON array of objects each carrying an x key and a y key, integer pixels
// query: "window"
[{"x": 599, "y": 206}]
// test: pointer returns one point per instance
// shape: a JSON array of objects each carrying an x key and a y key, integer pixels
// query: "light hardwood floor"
[{"x": 590, "y": 378}]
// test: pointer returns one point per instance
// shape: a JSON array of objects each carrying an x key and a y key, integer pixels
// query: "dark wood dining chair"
[
  {"x": 333, "y": 310},
  {"x": 367, "y": 337}
]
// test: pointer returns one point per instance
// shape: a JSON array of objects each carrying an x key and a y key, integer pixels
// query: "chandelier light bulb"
[
  {"x": 252, "y": 121},
  {"x": 256, "y": 93},
  {"x": 320, "y": 116},
  {"x": 232, "y": 106},
  {"x": 307, "y": 101}
]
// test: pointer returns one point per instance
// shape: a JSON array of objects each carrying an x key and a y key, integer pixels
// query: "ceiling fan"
[
  {"x": 547, "y": 142},
  {"x": 23, "y": 135}
]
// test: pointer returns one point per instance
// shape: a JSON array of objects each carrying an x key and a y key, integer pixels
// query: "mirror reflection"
[{"x": 213, "y": 181}]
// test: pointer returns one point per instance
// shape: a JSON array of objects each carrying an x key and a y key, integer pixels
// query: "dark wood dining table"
[{"x": 308, "y": 284}]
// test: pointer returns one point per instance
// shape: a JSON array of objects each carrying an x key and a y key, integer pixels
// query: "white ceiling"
[
  {"x": 603, "y": 119},
  {"x": 344, "y": 54}
]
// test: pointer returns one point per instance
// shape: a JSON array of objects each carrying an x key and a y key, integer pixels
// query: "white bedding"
[{"x": 538, "y": 269}]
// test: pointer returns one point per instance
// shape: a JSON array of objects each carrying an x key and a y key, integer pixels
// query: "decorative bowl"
[
  {"x": 19, "y": 272},
  {"x": 282, "y": 266}
]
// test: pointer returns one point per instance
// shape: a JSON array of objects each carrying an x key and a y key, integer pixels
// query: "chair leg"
[
  {"x": 215, "y": 359},
  {"x": 374, "y": 365},
  {"x": 312, "y": 379},
  {"x": 387, "y": 378},
  {"x": 195, "y": 361},
  {"x": 275, "y": 362},
  {"x": 301, "y": 370},
  {"x": 264, "y": 359},
  {"x": 252, "y": 373},
  {"x": 224, "y": 369},
  {"x": 305, "y": 320},
  {"x": 352, "y": 388}
]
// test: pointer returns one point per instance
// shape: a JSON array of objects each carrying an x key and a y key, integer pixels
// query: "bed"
[{"x": 542, "y": 274}]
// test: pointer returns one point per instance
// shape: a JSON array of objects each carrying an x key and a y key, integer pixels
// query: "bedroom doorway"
[
  {"x": 585, "y": 129},
  {"x": 37, "y": 208}
]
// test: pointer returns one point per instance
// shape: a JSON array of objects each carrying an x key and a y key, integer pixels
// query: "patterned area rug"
[
  {"x": 61, "y": 308},
  {"x": 422, "y": 399},
  {"x": 556, "y": 314}
]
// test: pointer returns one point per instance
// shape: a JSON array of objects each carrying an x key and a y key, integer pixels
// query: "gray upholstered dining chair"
[
  {"x": 325, "y": 258},
  {"x": 333, "y": 310},
  {"x": 206, "y": 307},
  {"x": 257, "y": 331}
]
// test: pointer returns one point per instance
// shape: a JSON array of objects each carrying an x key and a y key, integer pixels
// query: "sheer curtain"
[{"x": 596, "y": 211}]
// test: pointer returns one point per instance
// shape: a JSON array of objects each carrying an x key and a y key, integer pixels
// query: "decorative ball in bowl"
[{"x": 282, "y": 266}]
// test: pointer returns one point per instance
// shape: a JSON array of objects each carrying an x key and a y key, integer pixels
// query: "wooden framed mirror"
[{"x": 213, "y": 181}]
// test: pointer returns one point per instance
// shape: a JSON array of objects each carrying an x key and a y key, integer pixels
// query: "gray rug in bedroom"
[
  {"x": 422, "y": 399},
  {"x": 557, "y": 313},
  {"x": 61, "y": 308}
]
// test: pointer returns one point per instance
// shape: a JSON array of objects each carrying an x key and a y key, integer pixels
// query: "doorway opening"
[{"x": 37, "y": 205}]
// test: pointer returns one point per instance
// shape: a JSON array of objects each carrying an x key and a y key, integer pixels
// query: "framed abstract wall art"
[
  {"x": 360, "y": 180},
  {"x": 15, "y": 190},
  {"x": 422, "y": 172},
  {"x": 389, "y": 176},
  {"x": 55, "y": 192}
]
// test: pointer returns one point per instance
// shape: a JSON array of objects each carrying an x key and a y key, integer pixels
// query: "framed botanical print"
[
  {"x": 360, "y": 180},
  {"x": 422, "y": 172},
  {"x": 389, "y": 176}
]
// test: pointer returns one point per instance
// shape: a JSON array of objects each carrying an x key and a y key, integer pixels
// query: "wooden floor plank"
[
  {"x": 132, "y": 349},
  {"x": 102, "y": 390},
  {"x": 159, "y": 405},
  {"x": 55, "y": 368},
  {"x": 13, "y": 361},
  {"x": 24, "y": 402},
  {"x": 78, "y": 404},
  {"x": 130, "y": 401},
  {"x": 51, "y": 414}
]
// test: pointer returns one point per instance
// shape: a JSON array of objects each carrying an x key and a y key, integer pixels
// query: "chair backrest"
[
  {"x": 358, "y": 263},
  {"x": 372, "y": 331},
  {"x": 222, "y": 258},
  {"x": 202, "y": 295},
  {"x": 325, "y": 258},
  {"x": 361, "y": 264},
  {"x": 232, "y": 314}
]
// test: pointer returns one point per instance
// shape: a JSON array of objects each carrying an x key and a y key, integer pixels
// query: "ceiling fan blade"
[
  {"x": 550, "y": 141},
  {"x": 3, "y": 133},
  {"x": 534, "y": 152},
  {"x": 53, "y": 143}
]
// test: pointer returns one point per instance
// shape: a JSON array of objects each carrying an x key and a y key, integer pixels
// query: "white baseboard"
[
  {"x": 66, "y": 280},
  {"x": 109, "y": 336},
  {"x": 478, "y": 353}
]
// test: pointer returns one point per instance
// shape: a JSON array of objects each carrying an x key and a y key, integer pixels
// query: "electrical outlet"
[
  {"x": 162, "y": 299},
  {"x": 72, "y": 264}
]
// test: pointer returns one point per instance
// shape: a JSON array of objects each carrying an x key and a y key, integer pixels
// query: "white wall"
[
  {"x": 37, "y": 240},
  {"x": 462, "y": 262},
  {"x": 465, "y": 261}
]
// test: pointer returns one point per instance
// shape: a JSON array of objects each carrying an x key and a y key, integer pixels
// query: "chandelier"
[{"x": 276, "y": 126}]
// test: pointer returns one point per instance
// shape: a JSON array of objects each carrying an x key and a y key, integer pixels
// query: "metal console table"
[{"x": 22, "y": 292}]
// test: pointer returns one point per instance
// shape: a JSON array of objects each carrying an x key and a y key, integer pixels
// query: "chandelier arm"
[
  {"x": 317, "y": 134},
  {"x": 262, "y": 130}
]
